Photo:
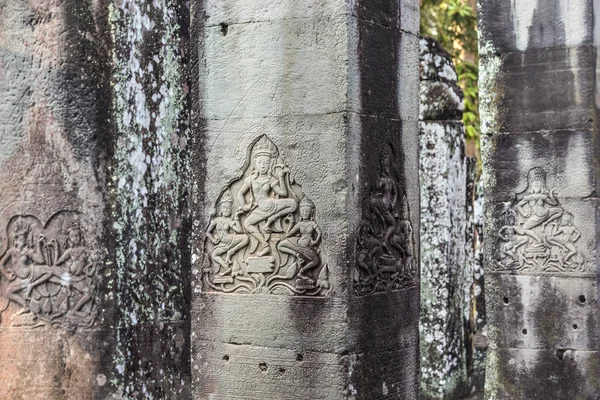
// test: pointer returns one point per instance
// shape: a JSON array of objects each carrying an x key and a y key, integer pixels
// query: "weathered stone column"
[
  {"x": 305, "y": 276},
  {"x": 150, "y": 186},
  {"x": 452, "y": 298},
  {"x": 445, "y": 276},
  {"x": 541, "y": 168},
  {"x": 55, "y": 139}
]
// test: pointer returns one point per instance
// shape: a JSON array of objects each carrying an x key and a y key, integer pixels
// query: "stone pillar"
[
  {"x": 476, "y": 335},
  {"x": 305, "y": 274},
  {"x": 445, "y": 284},
  {"x": 55, "y": 140},
  {"x": 541, "y": 170},
  {"x": 150, "y": 187}
]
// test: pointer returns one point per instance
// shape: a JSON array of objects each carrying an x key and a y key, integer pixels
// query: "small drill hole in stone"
[
  {"x": 505, "y": 300},
  {"x": 281, "y": 370},
  {"x": 575, "y": 326},
  {"x": 524, "y": 331},
  {"x": 224, "y": 28},
  {"x": 299, "y": 357},
  {"x": 582, "y": 299},
  {"x": 225, "y": 357},
  {"x": 263, "y": 366}
]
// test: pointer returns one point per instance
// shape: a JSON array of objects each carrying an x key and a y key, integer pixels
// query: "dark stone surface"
[
  {"x": 540, "y": 121},
  {"x": 546, "y": 89}
]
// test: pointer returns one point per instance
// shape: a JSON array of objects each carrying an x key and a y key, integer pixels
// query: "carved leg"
[
  {"x": 314, "y": 262},
  {"x": 12, "y": 294},
  {"x": 216, "y": 257},
  {"x": 43, "y": 278},
  {"x": 572, "y": 251},
  {"x": 86, "y": 297},
  {"x": 238, "y": 244},
  {"x": 287, "y": 247},
  {"x": 288, "y": 206}
]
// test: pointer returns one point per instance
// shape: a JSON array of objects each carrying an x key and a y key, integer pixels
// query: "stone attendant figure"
[
  {"x": 269, "y": 194},
  {"x": 304, "y": 246},
  {"x": 80, "y": 269},
  {"x": 226, "y": 234},
  {"x": 566, "y": 236},
  {"x": 540, "y": 206},
  {"x": 370, "y": 248},
  {"x": 26, "y": 264},
  {"x": 508, "y": 233},
  {"x": 383, "y": 202}
]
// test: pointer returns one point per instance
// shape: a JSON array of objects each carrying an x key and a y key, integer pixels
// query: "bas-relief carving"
[
  {"x": 48, "y": 273},
  {"x": 264, "y": 237},
  {"x": 537, "y": 233},
  {"x": 385, "y": 244}
]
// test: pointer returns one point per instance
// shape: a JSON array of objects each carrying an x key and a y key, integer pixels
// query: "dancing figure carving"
[
  {"x": 385, "y": 244},
  {"x": 272, "y": 242},
  {"x": 537, "y": 234},
  {"x": 49, "y": 285}
]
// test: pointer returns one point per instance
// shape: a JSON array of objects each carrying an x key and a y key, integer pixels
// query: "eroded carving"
[
  {"x": 385, "y": 243},
  {"x": 48, "y": 273},
  {"x": 271, "y": 243},
  {"x": 537, "y": 234}
]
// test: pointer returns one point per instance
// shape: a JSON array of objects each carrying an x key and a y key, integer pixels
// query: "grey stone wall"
[
  {"x": 56, "y": 141},
  {"x": 150, "y": 190},
  {"x": 93, "y": 224},
  {"x": 476, "y": 321},
  {"x": 257, "y": 213},
  {"x": 444, "y": 272},
  {"x": 305, "y": 278},
  {"x": 539, "y": 115},
  {"x": 452, "y": 317}
]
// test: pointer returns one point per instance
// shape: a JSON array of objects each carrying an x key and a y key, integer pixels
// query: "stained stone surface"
[
  {"x": 541, "y": 174},
  {"x": 445, "y": 276},
  {"x": 150, "y": 192},
  {"x": 476, "y": 326},
  {"x": 93, "y": 130},
  {"x": 306, "y": 203},
  {"x": 55, "y": 138}
]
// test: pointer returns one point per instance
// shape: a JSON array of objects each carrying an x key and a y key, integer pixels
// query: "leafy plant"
[{"x": 453, "y": 23}]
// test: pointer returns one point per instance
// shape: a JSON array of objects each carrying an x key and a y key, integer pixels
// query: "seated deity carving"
[
  {"x": 537, "y": 234},
  {"x": 269, "y": 191},
  {"x": 271, "y": 243}
]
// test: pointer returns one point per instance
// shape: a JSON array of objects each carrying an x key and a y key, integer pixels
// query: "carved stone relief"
[
  {"x": 48, "y": 273},
  {"x": 264, "y": 237},
  {"x": 385, "y": 255},
  {"x": 537, "y": 233}
]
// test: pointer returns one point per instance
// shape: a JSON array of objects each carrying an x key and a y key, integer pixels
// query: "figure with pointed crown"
[
  {"x": 383, "y": 201},
  {"x": 271, "y": 197},
  {"x": 302, "y": 240},
  {"x": 26, "y": 264},
  {"x": 539, "y": 206},
  {"x": 226, "y": 233},
  {"x": 80, "y": 269}
]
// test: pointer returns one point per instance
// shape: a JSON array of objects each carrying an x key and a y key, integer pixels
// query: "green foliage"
[{"x": 453, "y": 23}]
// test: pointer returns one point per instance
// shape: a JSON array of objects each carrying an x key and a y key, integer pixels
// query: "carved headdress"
[
  {"x": 404, "y": 208},
  {"x": 306, "y": 202},
  {"x": 264, "y": 147},
  {"x": 386, "y": 158},
  {"x": 21, "y": 227},
  {"x": 536, "y": 174},
  {"x": 226, "y": 198}
]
